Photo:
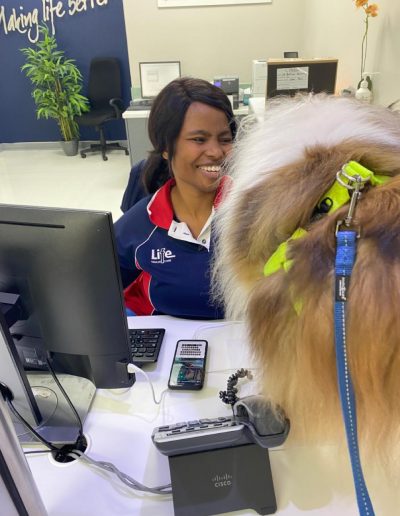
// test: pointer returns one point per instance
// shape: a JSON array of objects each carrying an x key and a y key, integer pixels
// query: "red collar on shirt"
[{"x": 160, "y": 208}]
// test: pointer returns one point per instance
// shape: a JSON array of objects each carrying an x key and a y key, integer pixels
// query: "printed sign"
[
  {"x": 292, "y": 78},
  {"x": 27, "y": 22}
]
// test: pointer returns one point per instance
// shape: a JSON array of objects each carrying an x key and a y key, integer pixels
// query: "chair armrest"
[{"x": 118, "y": 106}]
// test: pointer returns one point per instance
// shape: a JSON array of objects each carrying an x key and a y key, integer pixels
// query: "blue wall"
[{"x": 98, "y": 31}]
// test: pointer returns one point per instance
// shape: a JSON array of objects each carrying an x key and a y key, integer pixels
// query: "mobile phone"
[{"x": 188, "y": 366}]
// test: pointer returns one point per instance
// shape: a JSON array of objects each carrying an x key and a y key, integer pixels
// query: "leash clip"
[{"x": 356, "y": 184}]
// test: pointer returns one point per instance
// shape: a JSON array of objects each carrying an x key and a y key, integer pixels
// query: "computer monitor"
[
  {"x": 290, "y": 55},
  {"x": 60, "y": 267},
  {"x": 155, "y": 75},
  {"x": 290, "y": 76},
  {"x": 230, "y": 86}
]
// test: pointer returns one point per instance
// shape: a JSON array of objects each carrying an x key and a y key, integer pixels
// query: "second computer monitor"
[
  {"x": 288, "y": 77},
  {"x": 155, "y": 75}
]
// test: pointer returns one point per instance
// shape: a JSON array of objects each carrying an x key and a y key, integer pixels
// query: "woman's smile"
[{"x": 211, "y": 171}]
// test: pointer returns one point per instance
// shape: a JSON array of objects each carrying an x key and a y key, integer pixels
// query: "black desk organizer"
[{"x": 222, "y": 480}]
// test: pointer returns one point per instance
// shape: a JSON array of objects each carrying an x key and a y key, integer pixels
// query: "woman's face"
[{"x": 202, "y": 145}]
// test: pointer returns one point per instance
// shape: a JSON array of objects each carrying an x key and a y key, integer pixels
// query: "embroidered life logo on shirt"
[{"x": 161, "y": 255}]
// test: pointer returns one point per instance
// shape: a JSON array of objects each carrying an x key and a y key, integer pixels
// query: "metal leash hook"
[
  {"x": 353, "y": 201},
  {"x": 356, "y": 184}
]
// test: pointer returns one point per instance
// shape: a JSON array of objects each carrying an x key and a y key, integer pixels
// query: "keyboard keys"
[{"x": 145, "y": 344}]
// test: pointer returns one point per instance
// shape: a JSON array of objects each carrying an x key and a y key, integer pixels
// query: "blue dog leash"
[
  {"x": 348, "y": 185},
  {"x": 345, "y": 256}
]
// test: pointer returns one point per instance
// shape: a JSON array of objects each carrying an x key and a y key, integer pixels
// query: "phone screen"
[{"x": 187, "y": 371}]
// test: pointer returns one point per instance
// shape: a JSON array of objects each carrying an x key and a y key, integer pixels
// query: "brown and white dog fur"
[{"x": 281, "y": 168}]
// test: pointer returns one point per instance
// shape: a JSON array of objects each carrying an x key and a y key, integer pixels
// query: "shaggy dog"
[{"x": 282, "y": 167}]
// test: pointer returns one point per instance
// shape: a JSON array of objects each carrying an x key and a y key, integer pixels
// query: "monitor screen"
[
  {"x": 290, "y": 76},
  {"x": 154, "y": 76},
  {"x": 62, "y": 264}
]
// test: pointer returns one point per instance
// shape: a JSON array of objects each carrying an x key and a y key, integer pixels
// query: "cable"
[
  {"x": 229, "y": 396},
  {"x": 8, "y": 396},
  {"x": 36, "y": 451},
  {"x": 230, "y": 369},
  {"x": 132, "y": 368},
  {"x": 31, "y": 429},
  {"x": 74, "y": 411},
  {"x": 126, "y": 479},
  {"x": 214, "y": 326}
]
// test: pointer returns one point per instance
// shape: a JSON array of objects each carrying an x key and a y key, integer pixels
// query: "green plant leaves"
[{"x": 57, "y": 84}]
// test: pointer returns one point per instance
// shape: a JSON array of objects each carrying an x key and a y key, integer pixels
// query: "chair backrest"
[{"x": 104, "y": 81}]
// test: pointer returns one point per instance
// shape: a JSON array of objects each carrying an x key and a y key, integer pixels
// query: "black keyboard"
[{"x": 146, "y": 344}]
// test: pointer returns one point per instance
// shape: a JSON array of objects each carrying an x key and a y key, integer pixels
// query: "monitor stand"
[
  {"x": 59, "y": 425},
  {"x": 39, "y": 400}
]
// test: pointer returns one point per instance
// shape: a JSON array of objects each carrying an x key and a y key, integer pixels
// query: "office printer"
[{"x": 230, "y": 85}]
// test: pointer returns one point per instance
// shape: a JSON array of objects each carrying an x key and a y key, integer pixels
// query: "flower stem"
[{"x": 364, "y": 45}]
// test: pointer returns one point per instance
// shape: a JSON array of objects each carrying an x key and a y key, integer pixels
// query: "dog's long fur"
[{"x": 281, "y": 168}]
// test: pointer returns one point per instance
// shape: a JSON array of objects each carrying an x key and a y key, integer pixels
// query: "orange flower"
[{"x": 372, "y": 10}]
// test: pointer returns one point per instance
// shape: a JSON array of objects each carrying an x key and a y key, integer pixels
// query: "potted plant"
[{"x": 57, "y": 86}]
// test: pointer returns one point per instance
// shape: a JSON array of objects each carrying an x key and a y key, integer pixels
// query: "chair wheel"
[
  {"x": 126, "y": 153},
  {"x": 83, "y": 155},
  {"x": 105, "y": 158}
]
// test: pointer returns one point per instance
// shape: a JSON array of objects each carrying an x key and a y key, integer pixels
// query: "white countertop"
[{"x": 308, "y": 480}]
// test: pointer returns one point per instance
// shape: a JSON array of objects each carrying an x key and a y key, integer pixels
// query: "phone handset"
[{"x": 266, "y": 424}]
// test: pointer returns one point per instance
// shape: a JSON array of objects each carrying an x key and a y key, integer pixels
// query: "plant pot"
[{"x": 70, "y": 147}]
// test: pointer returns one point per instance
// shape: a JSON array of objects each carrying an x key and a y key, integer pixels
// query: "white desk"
[
  {"x": 136, "y": 131},
  {"x": 308, "y": 480}
]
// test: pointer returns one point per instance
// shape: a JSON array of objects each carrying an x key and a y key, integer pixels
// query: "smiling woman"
[
  {"x": 202, "y": 145},
  {"x": 165, "y": 241}
]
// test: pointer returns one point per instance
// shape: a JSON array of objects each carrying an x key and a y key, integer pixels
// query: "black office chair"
[
  {"x": 290, "y": 54},
  {"x": 105, "y": 101}
]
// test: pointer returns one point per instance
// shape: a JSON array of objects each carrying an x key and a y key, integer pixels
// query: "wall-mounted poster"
[{"x": 192, "y": 3}]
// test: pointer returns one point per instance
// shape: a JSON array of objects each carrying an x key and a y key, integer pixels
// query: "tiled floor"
[{"x": 49, "y": 178}]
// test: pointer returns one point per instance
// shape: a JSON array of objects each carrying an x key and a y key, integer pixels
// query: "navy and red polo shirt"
[{"x": 167, "y": 268}]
